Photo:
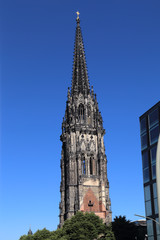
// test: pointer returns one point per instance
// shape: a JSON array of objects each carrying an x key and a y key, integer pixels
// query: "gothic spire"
[
  {"x": 30, "y": 231},
  {"x": 80, "y": 82}
]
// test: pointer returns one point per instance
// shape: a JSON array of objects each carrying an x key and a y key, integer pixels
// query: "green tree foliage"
[
  {"x": 124, "y": 229},
  {"x": 26, "y": 237},
  {"x": 41, "y": 234},
  {"x": 85, "y": 225},
  {"x": 82, "y": 226},
  {"x": 109, "y": 235},
  {"x": 57, "y": 235}
]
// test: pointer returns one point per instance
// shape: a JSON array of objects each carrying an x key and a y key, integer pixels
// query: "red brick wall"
[
  {"x": 89, "y": 196},
  {"x": 98, "y": 207}
]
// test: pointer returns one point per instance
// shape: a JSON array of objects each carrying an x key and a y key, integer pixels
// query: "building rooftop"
[{"x": 149, "y": 110}]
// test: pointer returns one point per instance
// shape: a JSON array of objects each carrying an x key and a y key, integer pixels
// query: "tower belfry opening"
[{"x": 83, "y": 160}]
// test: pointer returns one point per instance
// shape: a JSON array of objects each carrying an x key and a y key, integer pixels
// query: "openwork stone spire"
[
  {"x": 80, "y": 82},
  {"x": 84, "y": 182}
]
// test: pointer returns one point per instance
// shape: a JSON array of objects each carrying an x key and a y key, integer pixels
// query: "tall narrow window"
[
  {"x": 143, "y": 125},
  {"x": 153, "y": 118},
  {"x": 153, "y": 161},
  {"x": 89, "y": 115},
  {"x": 83, "y": 165},
  {"x": 99, "y": 169},
  {"x": 94, "y": 119},
  {"x": 146, "y": 175},
  {"x": 91, "y": 166},
  {"x": 81, "y": 113}
]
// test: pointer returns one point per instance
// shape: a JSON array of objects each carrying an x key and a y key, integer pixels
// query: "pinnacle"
[{"x": 80, "y": 82}]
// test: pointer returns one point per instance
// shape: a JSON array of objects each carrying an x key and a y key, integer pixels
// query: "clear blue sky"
[{"x": 122, "y": 43}]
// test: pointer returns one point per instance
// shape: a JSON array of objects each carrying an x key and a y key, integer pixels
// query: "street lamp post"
[
  {"x": 145, "y": 237},
  {"x": 158, "y": 223},
  {"x": 148, "y": 218}
]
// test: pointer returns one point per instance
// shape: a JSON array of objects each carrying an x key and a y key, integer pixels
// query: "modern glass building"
[{"x": 149, "y": 131}]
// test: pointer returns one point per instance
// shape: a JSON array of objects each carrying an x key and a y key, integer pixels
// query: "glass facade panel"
[
  {"x": 153, "y": 154},
  {"x": 149, "y": 132},
  {"x": 148, "y": 208},
  {"x": 153, "y": 118},
  {"x": 150, "y": 238},
  {"x": 158, "y": 228},
  {"x": 154, "y": 190},
  {"x": 154, "y": 133},
  {"x": 158, "y": 237},
  {"x": 149, "y": 228},
  {"x": 145, "y": 159},
  {"x": 147, "y": 193},
  {"x": 144, "y": 141},
  {"x": 155, "y": 206},
  {"x": 146, "y": 175},
  {"x": 153, "y": 161},
  {"x": 154, "y": 171},
  {"x": 143, "y": 125}
]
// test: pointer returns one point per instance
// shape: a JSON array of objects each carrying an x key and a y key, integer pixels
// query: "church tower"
[{"x": 84, "y": 183}]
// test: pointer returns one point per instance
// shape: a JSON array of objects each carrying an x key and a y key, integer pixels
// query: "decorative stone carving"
[{"x": 83, "y": 160}]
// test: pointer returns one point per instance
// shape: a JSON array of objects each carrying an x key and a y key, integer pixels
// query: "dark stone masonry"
[{"x": 84, "y": 183}]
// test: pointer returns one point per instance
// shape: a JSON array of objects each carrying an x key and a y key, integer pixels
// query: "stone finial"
[{"x": 77, "y": 15}]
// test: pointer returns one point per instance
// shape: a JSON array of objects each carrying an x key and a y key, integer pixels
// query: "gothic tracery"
[{"x": 83, "y": 159}]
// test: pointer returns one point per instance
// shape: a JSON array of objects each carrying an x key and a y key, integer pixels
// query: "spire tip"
[{"x": 77, "y": 16}]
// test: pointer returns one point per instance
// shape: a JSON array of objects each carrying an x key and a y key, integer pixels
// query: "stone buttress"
[{"x": 84, "y": 183}]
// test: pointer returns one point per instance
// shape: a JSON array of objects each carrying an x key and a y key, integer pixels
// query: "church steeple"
[
  {"x": 30, "y": 232},
  {"x": 80, "y": 82},
  {"x": 83, "y": 160}
]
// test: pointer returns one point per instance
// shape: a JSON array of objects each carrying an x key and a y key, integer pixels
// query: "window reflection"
[
  {"x": 145, "y": 159},
  {"x": 153, "y": 161},
  {"x": 143, "y": 125},
  {"x": 155, "y": 206},
  {"x": 153, "y": 118},
  {"x": 144, "y": 141},
  {"x": 149, "y": 228},
  {"x": 147, "y": 193},
  {"x": 155, "y": 198},
  {"x": 158, "y": 229},
  {"x": 153, "y": 154},
  {"x": 154, "y": 133},
  {"x": 150, "y": 131},
  {"x": 146, "y": 175},
  {"x": 150, "y": 238},
  {"x": 154, "y": 171},
  {"x": 155, "y": 190}
]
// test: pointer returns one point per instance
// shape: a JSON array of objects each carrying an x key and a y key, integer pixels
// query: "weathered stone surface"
[{"x": 84, "y": 182}]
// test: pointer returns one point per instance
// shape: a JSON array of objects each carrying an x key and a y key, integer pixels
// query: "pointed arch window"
[
  {"x": 89, "y": 114},
  {"x": 89, "y": 111},
  {"x": 94, "y": 119},
  {"x": 83, "y": 165},
  {"x": 99, "y": 169},
  {"x": 81, "y": 112},
  {"x": 91, "y": 165}
]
